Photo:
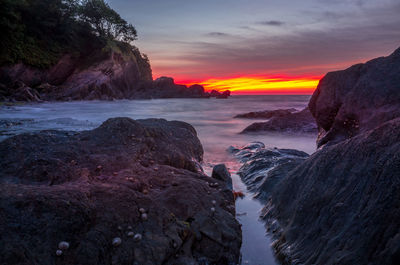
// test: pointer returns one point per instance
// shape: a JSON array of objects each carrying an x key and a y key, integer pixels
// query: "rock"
[
  {"x": 165, "y": 87},
  {"x": 358, "y": 99},
  {"x": 267, "y": 114},
  {"x": 130, "y": 234},
  {"x": 220, "y": 172},
  {"x": 224, "y": 94},
  {"x": 292, "y": 122},
  {"x": 217, "y": 94},
  {"x": 214, "y": 93},
  {"x": 59, "y": 252},
  {"x": 45, "y": 196}
]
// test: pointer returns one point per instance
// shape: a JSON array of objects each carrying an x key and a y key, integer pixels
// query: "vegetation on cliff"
[{"x": 39, "y": 32}]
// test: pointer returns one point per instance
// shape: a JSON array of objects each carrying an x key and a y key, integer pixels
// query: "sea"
[{"x": 214, "y": 122}]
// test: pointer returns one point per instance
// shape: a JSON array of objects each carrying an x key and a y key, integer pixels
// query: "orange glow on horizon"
[{"x": 261, "y": 85}]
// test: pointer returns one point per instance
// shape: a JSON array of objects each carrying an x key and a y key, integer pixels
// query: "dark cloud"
[
  {"x": 218, "y": 34},
  {"x": 271, "y": 23}
]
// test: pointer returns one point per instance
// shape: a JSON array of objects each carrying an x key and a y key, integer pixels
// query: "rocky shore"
[
  {"x": 341, "y": 204},
  {"x": 101, "y": 75},
  {"x": 127, "y": 192}
]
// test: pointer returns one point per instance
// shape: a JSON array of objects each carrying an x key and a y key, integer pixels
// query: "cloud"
[
  {"x": 276, "y": 23},
  {"x": 303, "y": 50},
  {"x": 218, "y": 34}
]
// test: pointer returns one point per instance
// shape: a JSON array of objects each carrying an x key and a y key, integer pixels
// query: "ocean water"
[{"x": 212, "y": 119}]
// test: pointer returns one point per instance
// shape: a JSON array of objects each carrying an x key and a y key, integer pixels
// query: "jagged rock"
[{"x": 57, "y": 184}]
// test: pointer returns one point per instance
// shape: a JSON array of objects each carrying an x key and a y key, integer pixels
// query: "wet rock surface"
[
  {"x": 286, "y": 122},
  {"x": 341, "y": 204},
  {"x": 263, "y": 168},
  {"x": 127, "y": 192}
]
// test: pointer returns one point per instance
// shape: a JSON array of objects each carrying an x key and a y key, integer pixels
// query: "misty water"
[{"x": 212, "y": 119}]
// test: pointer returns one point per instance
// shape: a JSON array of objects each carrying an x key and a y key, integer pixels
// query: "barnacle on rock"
[
  {"x": 116, "y": 241},
  {"x": 63, "y": 245}
]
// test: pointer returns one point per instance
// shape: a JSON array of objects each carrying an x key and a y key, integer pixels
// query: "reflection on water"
[{"x": 213, "y": 121}]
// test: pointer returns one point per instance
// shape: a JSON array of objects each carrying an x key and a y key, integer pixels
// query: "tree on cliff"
[
  {"x": 105, "y": 21},
  {"x": 38, "y": 32}
]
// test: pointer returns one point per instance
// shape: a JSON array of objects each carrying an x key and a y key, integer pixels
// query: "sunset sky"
[{"x": 260, "y": 46}]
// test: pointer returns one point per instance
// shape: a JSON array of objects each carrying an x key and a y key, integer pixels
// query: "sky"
[{"x": 260, "y": 46}]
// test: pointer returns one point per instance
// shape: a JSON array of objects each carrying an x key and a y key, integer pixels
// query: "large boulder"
[
  {"x": 127, "y": 192},
  {"x": 357, "y": 99}
]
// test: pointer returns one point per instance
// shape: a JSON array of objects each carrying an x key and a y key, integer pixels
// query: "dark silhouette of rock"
[
  {"x": 291, "y": 122},
  {"x": 214, "y": 93},
  {"x": 217, "y": 94},
  {"x": 127, "y": 192},
  {"x": 165, "y": 87},
  {"x": 357, "y": 99},
  {"x": 224, "y": 94},
  {"x": 267, "y": 114}
]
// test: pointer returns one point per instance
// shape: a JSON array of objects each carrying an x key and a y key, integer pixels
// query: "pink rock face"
[
  {"x": 59, "y": 73},
  {"x": 112, "y": 76}
]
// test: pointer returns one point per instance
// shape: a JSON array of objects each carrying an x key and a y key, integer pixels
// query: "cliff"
[
  {"x": 341, "y": 204},
  {"x": 117, "y": 71}
]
